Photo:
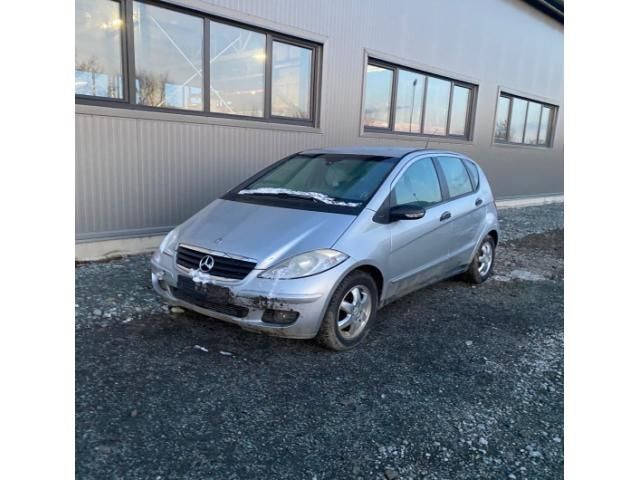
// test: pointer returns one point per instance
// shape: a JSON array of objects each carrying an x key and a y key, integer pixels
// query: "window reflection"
[
  {"x": 410, "y": 92},
  {"x": 545, "y": 121},
  {"x": 378, "y": 96},
  {"x": 418, "y": 186},
  {"x": 437, "y": 109},
  {"x": 168, "y": 57},
  {"x": 237, "y": 70},
  {"x": 533, "y": 122},
  {"x": 473, "y": 173},
  {"x": 98, "y": 48},
  {"x": 518, "y": 114},
  {"x": 502, "y": 118},
  {"x": 528, "y": 122},
  {"x": 291, "y": 81},
  {"x": 456, "y": 176},
  {"x": 459, "y": 109}
]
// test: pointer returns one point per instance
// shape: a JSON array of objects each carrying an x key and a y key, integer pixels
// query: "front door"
[{"x": 419, "y": 248}]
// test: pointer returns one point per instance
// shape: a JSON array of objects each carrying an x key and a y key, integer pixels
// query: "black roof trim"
[
  {"x": 389, "y": 152},
  {"x": 552, "y": 8}
]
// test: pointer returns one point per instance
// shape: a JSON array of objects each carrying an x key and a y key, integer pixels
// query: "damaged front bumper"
[{"x": 288, "y": 308}]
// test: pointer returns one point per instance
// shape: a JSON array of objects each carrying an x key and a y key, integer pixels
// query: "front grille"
[
  {"x": 224, "y": 267},
  {"x": 201, "y": 301}
]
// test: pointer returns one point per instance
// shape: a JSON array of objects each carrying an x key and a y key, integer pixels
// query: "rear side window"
[
  {"x": 418, "y": 185},
  {"x": 473, "y": 171},
  {"x": 455, "y": 175}
]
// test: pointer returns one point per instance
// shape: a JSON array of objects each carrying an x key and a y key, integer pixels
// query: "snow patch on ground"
[{"x": 519, "y": 275}]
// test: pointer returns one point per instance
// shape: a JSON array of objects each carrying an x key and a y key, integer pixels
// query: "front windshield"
[{"x": 342, "y": 180}]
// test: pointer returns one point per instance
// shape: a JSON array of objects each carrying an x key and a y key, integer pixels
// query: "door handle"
[
  {"x": 478, "y": 202},
  {"x": 445, "y": 216}
]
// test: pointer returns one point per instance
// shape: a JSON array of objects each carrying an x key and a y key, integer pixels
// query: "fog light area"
[
  {"x": 282, "y": 317},
  {"x": 163, "y": 284}
]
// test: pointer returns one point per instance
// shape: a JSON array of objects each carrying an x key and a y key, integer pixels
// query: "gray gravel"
[
  {"x": 454, "y": 381},
  {"x": 519, "y": 222}
]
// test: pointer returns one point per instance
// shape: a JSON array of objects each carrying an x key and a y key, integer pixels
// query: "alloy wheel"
[
  {"x": 485, "y": 258},
  {"x": 354, "y": 311}
]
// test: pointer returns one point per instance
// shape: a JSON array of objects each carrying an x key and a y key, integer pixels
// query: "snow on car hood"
[{"x": 264, "y": 233}]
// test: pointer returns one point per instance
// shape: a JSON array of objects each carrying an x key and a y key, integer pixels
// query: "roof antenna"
[{"x": 426, "y": 145}]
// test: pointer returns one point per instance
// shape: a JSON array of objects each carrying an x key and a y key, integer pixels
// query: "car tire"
[
  {"x": 341, "y": 330},
  {"x": 479, "y": 270}
]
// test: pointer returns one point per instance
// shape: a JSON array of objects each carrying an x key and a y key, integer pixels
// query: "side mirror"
[{"x": 406, "y": 212}]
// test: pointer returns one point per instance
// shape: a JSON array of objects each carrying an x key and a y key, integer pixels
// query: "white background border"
[{"x": 602, "y": 237}]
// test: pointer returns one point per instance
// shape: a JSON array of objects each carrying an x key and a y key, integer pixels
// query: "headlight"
[
  {"x": 306, "y": 264},
  {"x": 169, "y": 243}
]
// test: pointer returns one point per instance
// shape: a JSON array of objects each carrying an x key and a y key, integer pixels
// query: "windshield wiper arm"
[{"x": 285, "y": 192}]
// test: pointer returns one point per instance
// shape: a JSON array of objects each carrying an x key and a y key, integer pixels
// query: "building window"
[
  {"x": 377, "y": 104},
  {"x": 406, "y": 101},
  {"x": 459, "y": 110},
  {"x": 291, "y": 81},
  {"x": 237, "y": 70},
  {"x": 438, "y": 93},
  {"x": 168, "y": 57},
  {"x": 502, "y": 119},
  {"x": 99, "y": 49},
  {"x": 410, "y": 90},
  {"x": 248, "y": 72},
  {"x": 523, "y": 122}
]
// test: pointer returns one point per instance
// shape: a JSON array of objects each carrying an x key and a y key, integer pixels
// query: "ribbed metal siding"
[
  {"x": 138, "y": 176},
  {"x": 144, "y": 176}
]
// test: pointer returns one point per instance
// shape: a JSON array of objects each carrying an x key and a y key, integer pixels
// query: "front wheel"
[
  {"x": 482, "y": 263},
  {"x": 350, "y": 313}
]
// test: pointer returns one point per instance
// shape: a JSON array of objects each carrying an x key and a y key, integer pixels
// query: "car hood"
[{"x": 265, "y": 233}]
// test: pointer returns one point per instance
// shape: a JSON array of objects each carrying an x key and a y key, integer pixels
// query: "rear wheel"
[
  {"x": 482, "y": 264},
  {"x": 350, "y": 314}
]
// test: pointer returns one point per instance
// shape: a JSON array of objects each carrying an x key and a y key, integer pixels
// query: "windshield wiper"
[
  {"x": 288, "y": 195},
  {"x": 285, "y": 192}
]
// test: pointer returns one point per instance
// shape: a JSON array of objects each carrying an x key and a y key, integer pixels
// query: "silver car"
[{"x": 313, "y": 245}]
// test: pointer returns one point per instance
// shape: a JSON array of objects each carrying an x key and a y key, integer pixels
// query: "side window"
[
  {"x": 418, "y": 185},
  {"x": 455, "y": 175},
  {"x": 473, "y": 171}
]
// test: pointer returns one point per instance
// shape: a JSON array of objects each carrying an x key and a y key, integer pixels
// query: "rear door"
[
  {"x": 464, "y": 208},
  {"x": 419, "y": 248}
]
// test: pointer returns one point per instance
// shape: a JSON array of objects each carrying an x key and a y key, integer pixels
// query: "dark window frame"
[
  {"x": 395, "y": 68},
  {"x": 551, "y": 126},
  {"x": 128, "y": 58}
]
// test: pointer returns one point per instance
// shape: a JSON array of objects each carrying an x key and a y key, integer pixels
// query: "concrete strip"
[
  {"x": 529, "y": 201},
  {"x": 104, "y": 250}
]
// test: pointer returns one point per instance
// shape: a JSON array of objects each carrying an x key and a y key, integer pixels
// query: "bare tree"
[
  {"x": 92, "y": 66},
  {"x": 151, "y": 88},
  {"x": 501, "y": 129}
]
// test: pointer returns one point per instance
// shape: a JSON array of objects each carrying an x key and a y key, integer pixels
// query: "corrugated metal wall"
[{"x": 138, "y": 173}]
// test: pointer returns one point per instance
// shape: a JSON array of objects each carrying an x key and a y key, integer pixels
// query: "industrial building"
[{"x": 176, "y": 102}]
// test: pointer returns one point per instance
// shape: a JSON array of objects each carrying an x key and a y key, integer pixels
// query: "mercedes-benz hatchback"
[{"x": 313, "y": 245}]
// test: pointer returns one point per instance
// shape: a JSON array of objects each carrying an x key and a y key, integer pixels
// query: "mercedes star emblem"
[{"x": 206, "y": 263}]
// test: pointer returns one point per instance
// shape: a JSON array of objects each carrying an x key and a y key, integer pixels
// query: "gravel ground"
[{"x": 454, "y": 381}]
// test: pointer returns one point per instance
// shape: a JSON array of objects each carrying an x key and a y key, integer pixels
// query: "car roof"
[{"x": 384, "y": 151}]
